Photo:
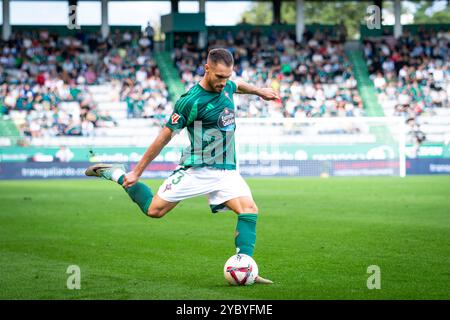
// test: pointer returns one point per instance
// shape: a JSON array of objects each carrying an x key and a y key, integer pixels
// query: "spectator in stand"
[
  {"x": 411, "y": 74},
  {"x": 150, "y": 32},
  {"x": 314, "y": 78},
  {"x": 40, "y": 70}
]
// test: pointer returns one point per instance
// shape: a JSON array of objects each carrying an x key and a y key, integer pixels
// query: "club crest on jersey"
[
  {"x": 175, "y": 118},
  {"x": 227, "y": 95},
  {"x": 226, "y": 120}
]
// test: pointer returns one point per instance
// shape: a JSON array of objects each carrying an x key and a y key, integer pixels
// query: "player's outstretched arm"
[
  {"x": 247, "y": 88},
  {"x": 152, "y": 152}
]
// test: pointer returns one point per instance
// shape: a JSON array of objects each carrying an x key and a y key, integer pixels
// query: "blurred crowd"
[
  {"x": 41, "y": 107},
  {"x": 411, "y": 75},
  {"x": 47, "y": 77},
  {"x": 41, "y": 72},
  {"x": 314, "y": 78}
]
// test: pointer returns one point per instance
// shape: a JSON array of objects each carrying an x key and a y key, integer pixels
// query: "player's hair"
[{"x": 220, "y": 55}]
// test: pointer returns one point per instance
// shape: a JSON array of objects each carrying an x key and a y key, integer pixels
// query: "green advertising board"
[{"x": 246, "y": 153}]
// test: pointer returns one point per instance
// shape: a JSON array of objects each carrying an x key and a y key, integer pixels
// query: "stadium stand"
[
  {"x": 66, "y": 86},
  {"x": 411, "y": 75},
  {"x": 314, "y": 78},
  {"x": 61, "y": 91}
]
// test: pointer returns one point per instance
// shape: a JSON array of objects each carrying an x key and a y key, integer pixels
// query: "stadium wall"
[
  {"x": 42, "y": 163},
  {"x": 298, "y": 152}
]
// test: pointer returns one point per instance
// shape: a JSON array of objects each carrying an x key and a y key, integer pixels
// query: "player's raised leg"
[
  {"x": 159, "y": 207},
  {"x": 140, "y": 193}
]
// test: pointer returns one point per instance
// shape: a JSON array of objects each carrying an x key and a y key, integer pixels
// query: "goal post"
[{"x": 344, "y": 146}]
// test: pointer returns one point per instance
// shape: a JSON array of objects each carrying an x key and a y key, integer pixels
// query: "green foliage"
[
  {"x": 422, "y": 16},
  {"x": 260, "y": 13},
  {"x": 350, "y": 13}
]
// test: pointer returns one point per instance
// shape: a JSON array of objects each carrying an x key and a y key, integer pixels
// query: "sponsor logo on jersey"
[
  {"x": 175, "y": 118},
  {"x": 226, "y": 120}
]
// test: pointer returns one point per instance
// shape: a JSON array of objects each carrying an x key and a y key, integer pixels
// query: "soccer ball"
[{"x": 240, "y": 270}]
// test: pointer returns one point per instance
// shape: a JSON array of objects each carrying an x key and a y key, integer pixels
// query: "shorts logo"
[
  {"x": 175, "y": 118},
  {"x": 168, "y": 187}
]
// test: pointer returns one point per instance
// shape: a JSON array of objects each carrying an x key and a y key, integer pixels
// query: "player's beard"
[{"x": 216, "y": 87}]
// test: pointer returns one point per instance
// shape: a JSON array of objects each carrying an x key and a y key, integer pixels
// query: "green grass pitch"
[{"x": 315, "y": 240}]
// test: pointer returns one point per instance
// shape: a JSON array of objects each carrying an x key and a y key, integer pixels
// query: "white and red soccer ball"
[{"x": 240, "y": 270}]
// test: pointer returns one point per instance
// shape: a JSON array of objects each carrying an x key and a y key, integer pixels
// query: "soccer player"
[{"x": 208, "y": 165}]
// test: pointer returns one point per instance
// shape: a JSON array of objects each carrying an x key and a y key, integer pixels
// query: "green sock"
[
  {"x": 139, "y": 193},
  {"x": 246, "y": 233}
]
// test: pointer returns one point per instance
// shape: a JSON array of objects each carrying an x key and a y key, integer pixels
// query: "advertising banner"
[
  {"x": 246, "y": 152},
  {"x": 160, "y": 170}
]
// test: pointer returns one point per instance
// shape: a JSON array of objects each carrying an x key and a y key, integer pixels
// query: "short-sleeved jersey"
[{"x": 209, "y": 118}]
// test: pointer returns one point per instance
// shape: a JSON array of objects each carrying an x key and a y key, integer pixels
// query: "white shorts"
[{"x": 219, "y": 185}]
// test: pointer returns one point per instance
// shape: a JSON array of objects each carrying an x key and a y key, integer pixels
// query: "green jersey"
[{"x": 209, "y": 118}]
